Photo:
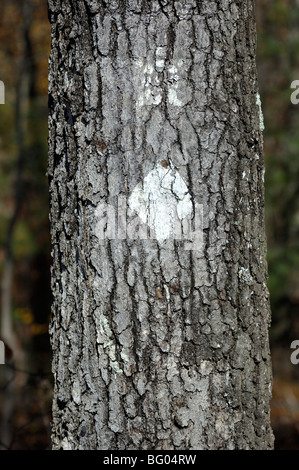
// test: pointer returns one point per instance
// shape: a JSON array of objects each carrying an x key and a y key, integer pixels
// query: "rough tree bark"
[{"x": 157, "y": 346}]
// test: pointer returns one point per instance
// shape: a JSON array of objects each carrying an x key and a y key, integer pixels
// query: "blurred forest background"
[{"x": 26, "y": 380}]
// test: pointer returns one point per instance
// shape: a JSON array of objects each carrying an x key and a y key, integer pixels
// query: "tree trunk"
[{"x": 161, "y": 342}]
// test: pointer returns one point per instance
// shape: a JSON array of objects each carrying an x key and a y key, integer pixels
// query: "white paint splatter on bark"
[
  {"x": 261, "y": 116},
  {"x": 162, "y": 200}
]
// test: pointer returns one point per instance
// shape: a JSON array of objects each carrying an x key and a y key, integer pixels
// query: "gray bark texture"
[{"x": 156, "y": 346}]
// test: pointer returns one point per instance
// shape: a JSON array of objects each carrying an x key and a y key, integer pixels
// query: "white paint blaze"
[
  {"x": 162, "y": 201},
  {"x": 259, "y": 103}
]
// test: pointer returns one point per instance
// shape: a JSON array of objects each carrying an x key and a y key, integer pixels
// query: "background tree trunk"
[
  {"x": 157, "y": 346},
  {"x": 24, "y": 85}
]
